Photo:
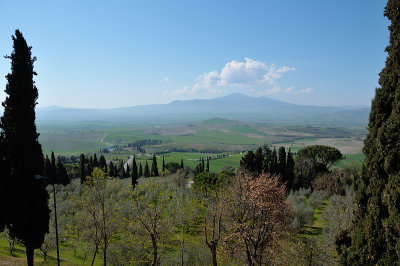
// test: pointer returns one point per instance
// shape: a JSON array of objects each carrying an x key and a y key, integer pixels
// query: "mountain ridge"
[{"x": 233, "y": 106}]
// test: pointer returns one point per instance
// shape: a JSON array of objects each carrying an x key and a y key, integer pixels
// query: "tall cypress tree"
[
  {"x": 154, "y": 168},
  {"x": 376, "y": 231},
  {"x": 146, "y": 170},
  {"x": 128, "y": 170},
  {"x": 289, "y": 171},
  {"x": 208, "y": 165},
  {"x": 274, "y": 162},
  {"x": 29, "y": 215},
  {"x": 163, "y": 164},
  {"x": 181, "y": 166},
  {"x": 140, "y": 174},
  {"x": 4, "y": 179},
  {"x": 134, "y": 172},
  {"x": 282, "y": 164}
]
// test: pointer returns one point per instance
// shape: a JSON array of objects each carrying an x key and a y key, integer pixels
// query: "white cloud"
[
  {"x": 288, "y": 90},
  {"x": 235, "y": 73},
  {"x": 165, "y": 93},
  {"x": 273, "y": 90},
  {"x": 308, "y": 90}
]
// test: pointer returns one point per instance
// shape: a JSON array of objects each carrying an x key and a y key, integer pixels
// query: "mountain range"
[{"x": 234, "y": 106}]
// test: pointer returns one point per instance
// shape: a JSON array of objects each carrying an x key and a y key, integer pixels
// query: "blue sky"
[{"x": 124, "y": 53}]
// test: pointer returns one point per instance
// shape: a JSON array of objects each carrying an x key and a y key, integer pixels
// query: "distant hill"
[{"x": 235, "y": 106}]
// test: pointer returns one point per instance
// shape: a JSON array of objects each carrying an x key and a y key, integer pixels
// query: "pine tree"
[
  {"x": 82, "y": 171},
  {"x": 154, "y": 168},
  {"x": 140, "y": 174},
  {"x": 146, "y": 170},
  {"x": 376, "y": 231},
  {"x": 29, "y": 213},
  {"x": 134, "y": 173}
]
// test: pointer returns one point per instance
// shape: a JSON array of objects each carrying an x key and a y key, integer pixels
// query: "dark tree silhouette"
[
  {"x": 154, "y": 168},
  {"x": 82, "y": 171},
  {"x": 282, "y": 164},
  {"x": 376, "y": 231},
  {"x": 29, "y": 214},
  {"x": 146, "y": 170},
  {"x": 134, "y": 173},
  {"x": 140, "y": 174}
]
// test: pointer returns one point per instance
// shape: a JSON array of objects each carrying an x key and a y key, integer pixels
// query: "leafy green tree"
[
  {"x": 154, "y": 168},
  {"x": 29, "y": 214},
  {"x": 134, "y": 172},
  {"x": 152, "y": 217},
  {"x": 376, "y": 231},
  {"x": 172, "y": 167},
  {"x": 97, "y": 217}
]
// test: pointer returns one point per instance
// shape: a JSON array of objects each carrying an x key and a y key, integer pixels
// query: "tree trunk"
[
  {"x": 94, "y": 256},
  {"x": 29, "y": 254},
  {"x": 155, "y": 254},
  {"x": 105, "y": 254},
  {"x": 214, "y": 255}
]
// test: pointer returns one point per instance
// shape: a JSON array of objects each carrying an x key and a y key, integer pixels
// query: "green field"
[{"x": 192, "y": 141}]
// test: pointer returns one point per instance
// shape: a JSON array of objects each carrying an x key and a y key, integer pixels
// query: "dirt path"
[
  {"x": 105, "y": 135},
  {"x": 128, "y": 162}
]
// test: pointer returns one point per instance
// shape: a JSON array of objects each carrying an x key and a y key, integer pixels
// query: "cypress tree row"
[
  {"x": 376, "y": 229},
  {"x": 28, "y": 213}
]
